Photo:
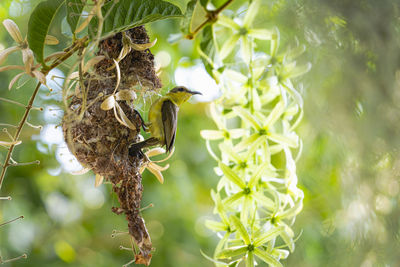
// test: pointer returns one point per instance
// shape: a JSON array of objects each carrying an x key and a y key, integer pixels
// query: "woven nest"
[{"x": 100, "y": 142}]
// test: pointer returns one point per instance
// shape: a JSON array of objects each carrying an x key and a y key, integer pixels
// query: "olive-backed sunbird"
[{"x": 163, "y": 119}]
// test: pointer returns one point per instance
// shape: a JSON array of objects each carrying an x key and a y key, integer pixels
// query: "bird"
[{"x": 163, "y": 119}]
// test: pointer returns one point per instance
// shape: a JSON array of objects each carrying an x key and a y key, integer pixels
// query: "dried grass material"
[
  {"x": 138, "y": 64},
  {"x": 101, "y": 143}
]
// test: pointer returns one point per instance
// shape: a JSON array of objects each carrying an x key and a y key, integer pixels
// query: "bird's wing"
[{"x": 169, "y": 113}]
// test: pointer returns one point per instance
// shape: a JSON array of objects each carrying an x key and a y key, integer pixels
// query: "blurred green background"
[{"x": 349, "y": 169}]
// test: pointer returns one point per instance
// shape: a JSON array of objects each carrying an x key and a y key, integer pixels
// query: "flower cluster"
[{"x": 257, "y": 198}]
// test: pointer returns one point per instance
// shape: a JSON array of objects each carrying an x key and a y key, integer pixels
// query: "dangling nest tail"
[{"x": 100, "y": 142}]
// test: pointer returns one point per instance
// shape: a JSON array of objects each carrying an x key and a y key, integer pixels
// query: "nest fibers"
[{"x": 97, "y": 137}]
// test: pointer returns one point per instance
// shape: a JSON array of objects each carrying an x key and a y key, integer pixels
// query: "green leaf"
[
  {"x": 207, "y": 46},
  {"x": 240, "y": 229},
  {"x": 185, "y": 23},
  {"x": 39, "y": 24},
  {"x": 232, "y": 252},
  {"x": 267, "y": 236},
  {"x": 204, "y": 3},
  {"x": 267, "y": 258},
  {"x": 199, "y": 17},
  {"x": 74, "y": 12},
  {"x": 231, "y": 175},
  {"x": 126, "y": 14}
]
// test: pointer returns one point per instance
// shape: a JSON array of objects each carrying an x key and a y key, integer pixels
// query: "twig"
[
  {"x": 212, "y": 15},
  {"x": 13, "y": 220},
  {"x": 6, "y": 198},
  {"x": 23, "y": 256},
  {"x": 70, "y": 51}
]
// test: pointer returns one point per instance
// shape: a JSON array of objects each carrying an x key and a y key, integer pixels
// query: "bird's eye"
[{"x": 181, "y": 89}]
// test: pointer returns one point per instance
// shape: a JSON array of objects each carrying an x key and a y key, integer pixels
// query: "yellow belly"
[{"x": 155, "y": 119}]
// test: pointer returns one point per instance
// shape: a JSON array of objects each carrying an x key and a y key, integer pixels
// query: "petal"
[
  {"x": 80, "y": 172},
  {"x": 157, "y": 174},
  {"x": 232, "y": 252},
  {"x": 246, "y": 142},
  {"x": 232, "y": 176},
  {"x": 13, "y": 30},
  {"x": 298, "y": 71},
  {"x": 280, "y": 139},
  {"x": 40, "y": 76},
  {"x": 108, "y": 103},
  {"x": 99, "y": 180},
  {"x": 169, "y": 156},
  {"x": 261, "y": 34},
  {"x": 126, "y": 95},
  {"x": 118, "y": 75},
  {"x": 275, "y": 114},
  {"x": 245, "y": 49},
  {"x": 124, "y": 51},
  {"x": 237, "y": 133},
  {"x": 27, "y": 58},
  {"x": 251, "y": 13},
  {"x": 240, "y": 229},
  {"x": 228, "y": 46},
  {"x": 4, "y": 53},
  {"x": 155, "y": 151},
  {"x": 12, "y": 67},
  {"x": 246, "y": 116},
  {"x": 256, "y": 176},
  {"x": 228, "y": 151},
  {"x": 227, "y": 22},
  {"x": 212, "y": 134},
  {"x": 267, "y": 258},
  {"x": 236, "y": 76},
  {"x": 123, "y": 119},
  {"x": 92, "y": 62},
  {"x": 15, "y": 79},
  {"x": 51, "y": 40},
  {"x": 275, "y": 42},
  {"x": 250, "y": 259},
  {"x": 158, "y": 167},
  {"x": 141, "y": 47}
]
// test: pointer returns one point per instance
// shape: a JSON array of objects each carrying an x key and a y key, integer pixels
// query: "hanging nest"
[{"x": 100, "y": 141}]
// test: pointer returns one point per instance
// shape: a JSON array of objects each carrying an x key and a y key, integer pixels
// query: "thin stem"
[
  {"x": 211, "y": 16},
  {"x": 8, "y": 125},
  {"x": 12, "y": 102},
  {"x": 23, "y": 256},
  {"x": 13, "y": 220},
  {"x": 70, "y": 51}
]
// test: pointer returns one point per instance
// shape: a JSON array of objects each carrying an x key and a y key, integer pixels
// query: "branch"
[
  {"x": 70, "y": 51},
  {"x": 212, "y": 15}
]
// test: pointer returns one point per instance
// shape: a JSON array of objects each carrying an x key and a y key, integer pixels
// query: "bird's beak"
[{"x": 195, "y": 93}]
